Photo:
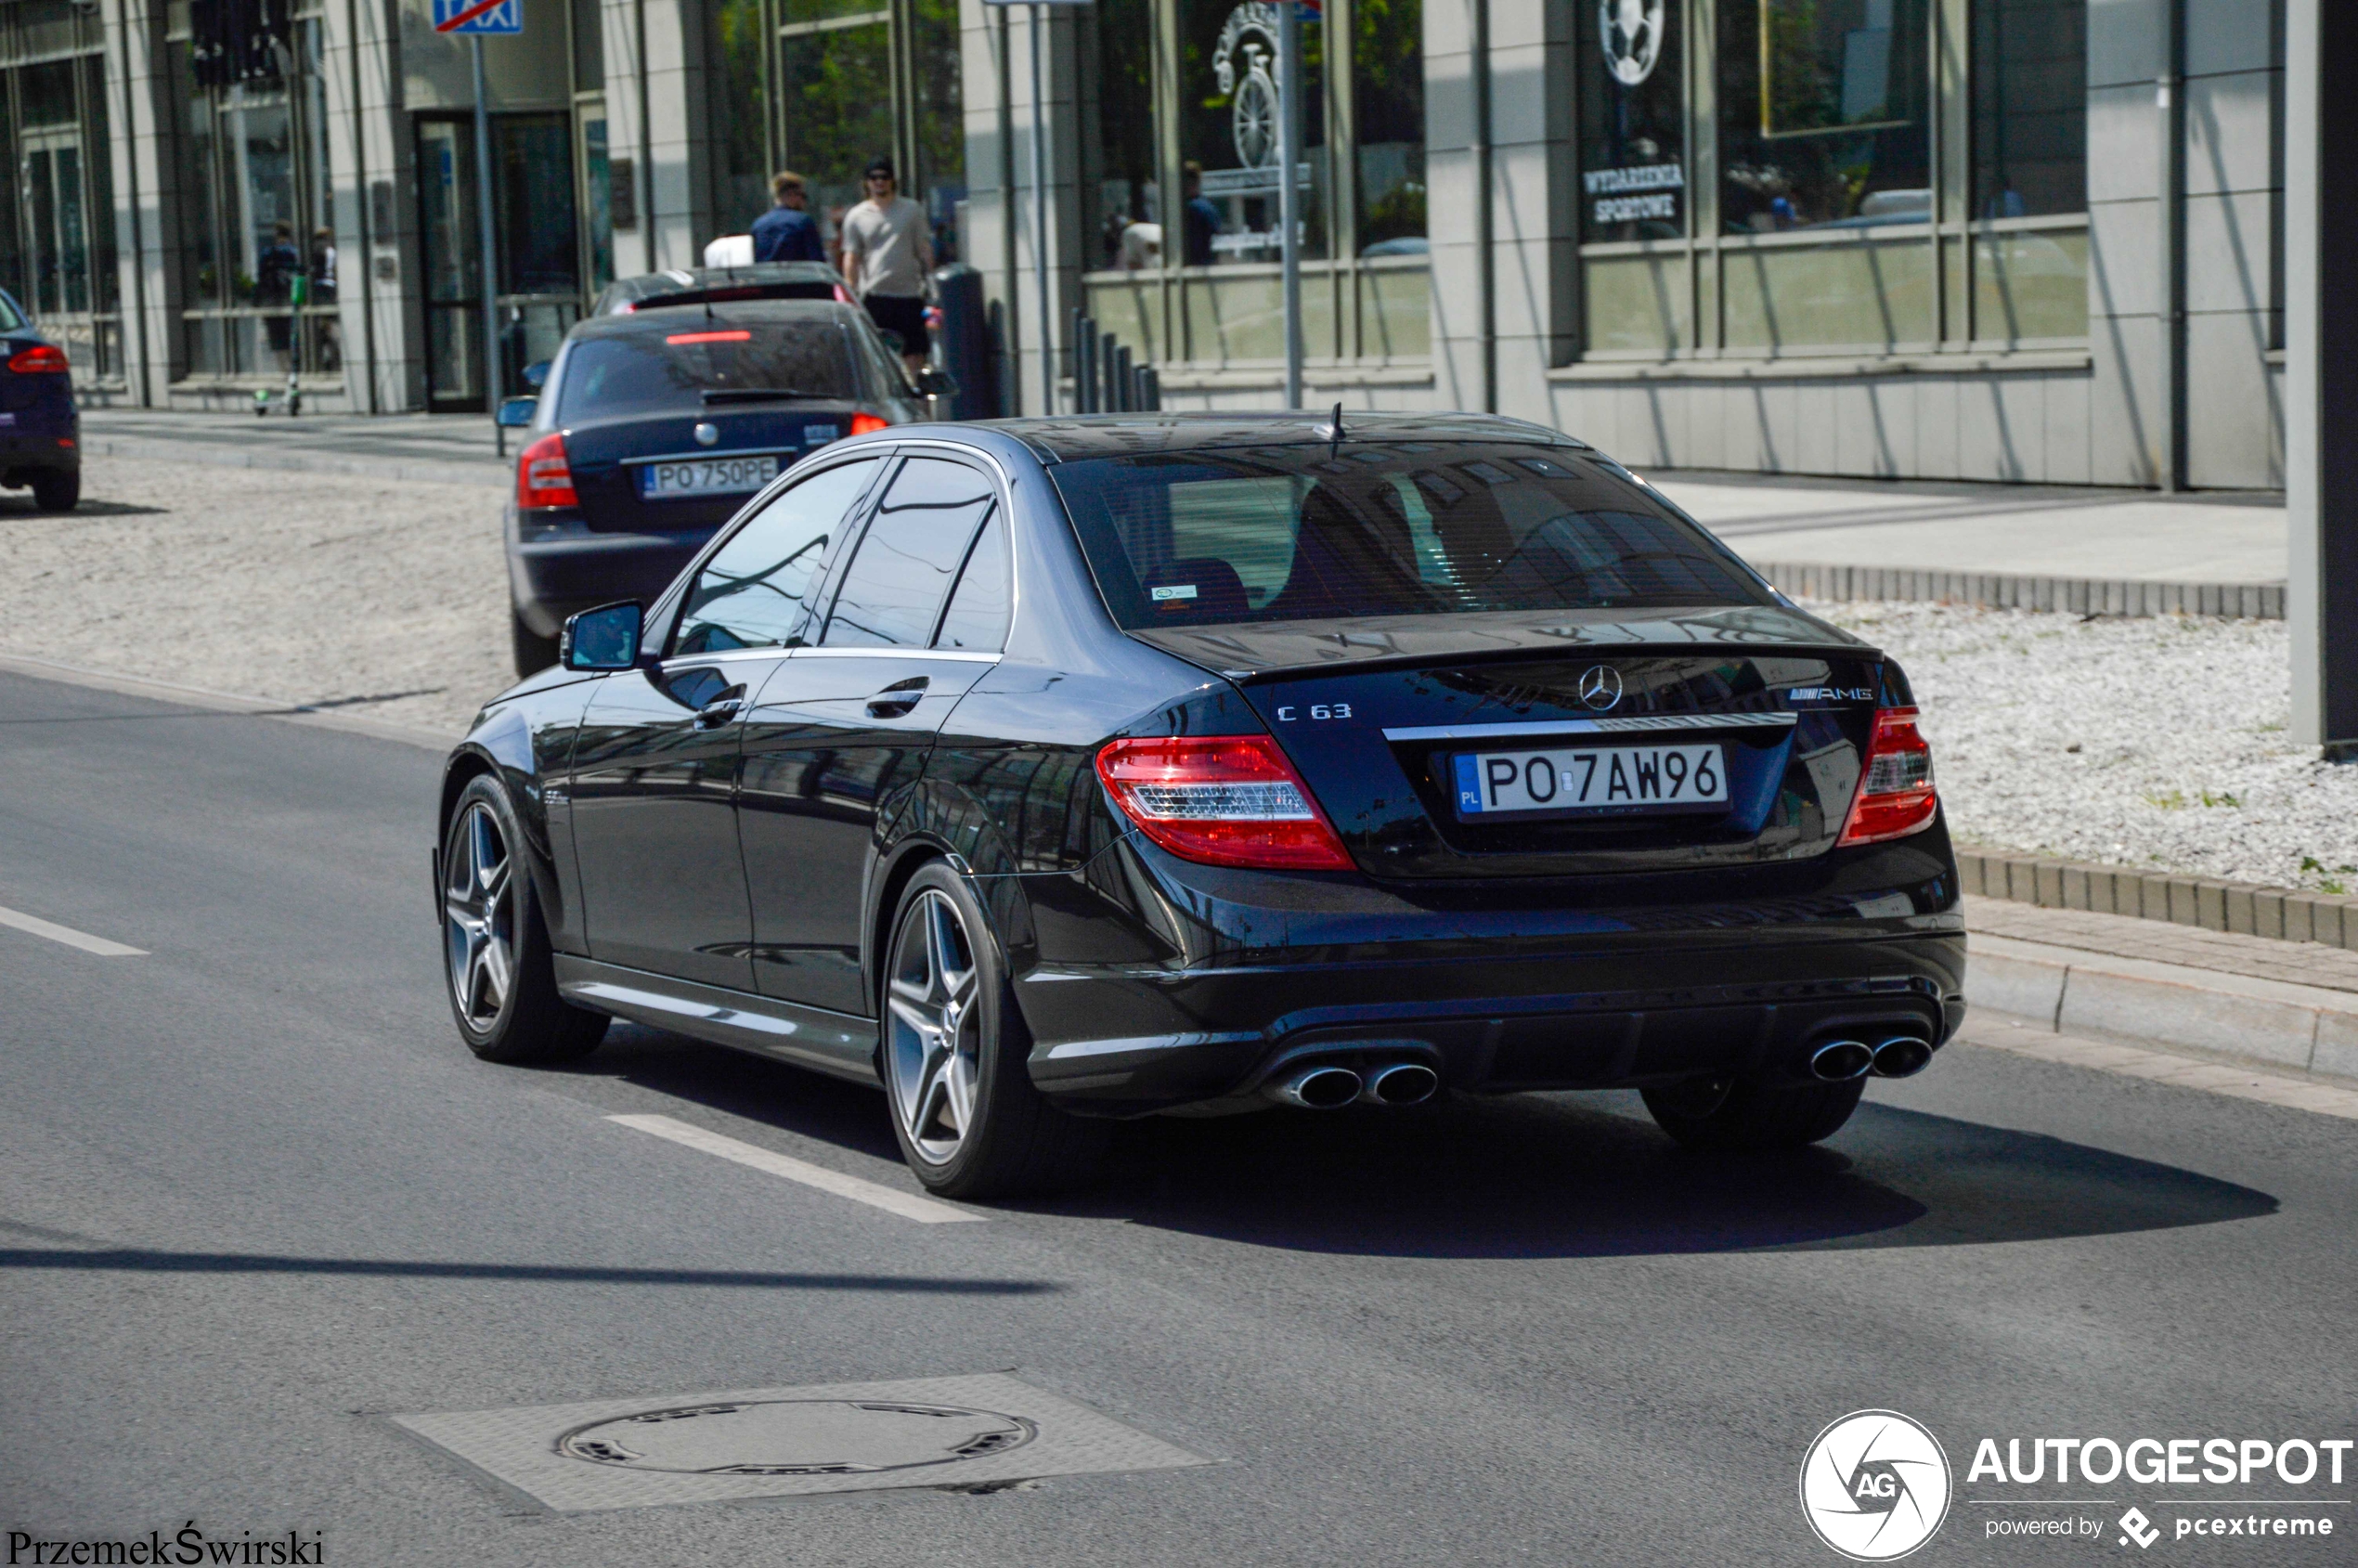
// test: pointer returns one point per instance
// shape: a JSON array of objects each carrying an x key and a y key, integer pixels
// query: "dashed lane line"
[
  {"x": 907, "y": 1205},
  {"x": 67, "y": 935}
]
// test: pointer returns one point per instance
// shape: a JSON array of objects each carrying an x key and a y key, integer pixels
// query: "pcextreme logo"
[{"x": 1875, "y": 1486}]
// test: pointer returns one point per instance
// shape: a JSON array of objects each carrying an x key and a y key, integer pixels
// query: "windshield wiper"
[{"x": 756, "y": 394}]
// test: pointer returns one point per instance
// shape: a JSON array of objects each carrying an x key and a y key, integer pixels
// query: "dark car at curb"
[
  {"x": 40, "y": 428},
  {"x": 729, "y": 392},
  {"x": 1055, "y": 771}
]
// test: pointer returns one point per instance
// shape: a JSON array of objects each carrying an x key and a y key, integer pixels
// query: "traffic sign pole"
[{"x": 491, "y": 368}]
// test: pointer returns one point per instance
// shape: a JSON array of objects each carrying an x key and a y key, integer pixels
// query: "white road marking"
[
  {"x": 907, "y": 1205},
  {"x": 69, "y": 936},
  {"x": 2242, "y": 1083}
]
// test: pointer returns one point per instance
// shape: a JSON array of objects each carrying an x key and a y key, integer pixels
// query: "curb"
[
  {"x": 2008, "y": 590},
  {"x": 426, "y": 471},
  {"x": 2308, "y": 1029},
  {"x": 2242, "y": 907}
]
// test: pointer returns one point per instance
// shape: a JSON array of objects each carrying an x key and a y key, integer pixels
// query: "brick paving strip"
[{"x": 2243, "y": 908}]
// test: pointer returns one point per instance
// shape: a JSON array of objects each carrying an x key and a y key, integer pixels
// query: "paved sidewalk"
[
  {"x": 2217, "y": 551},
  {"x": 2126, "y": 936}
]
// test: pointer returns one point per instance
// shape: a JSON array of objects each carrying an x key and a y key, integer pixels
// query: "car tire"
[
  {"x": 57, "y": 489},
  {"x": 534, "y": 652},
  {"x": 953, "y": 1056},
  {"x": 500, "y": 976},
  {"x": 1747, "y": 1117}
]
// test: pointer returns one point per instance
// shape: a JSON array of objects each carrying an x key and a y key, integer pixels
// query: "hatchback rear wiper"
[{"x": 756, "y": 393}]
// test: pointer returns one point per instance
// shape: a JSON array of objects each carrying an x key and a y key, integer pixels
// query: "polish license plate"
[
  {"x": 706, "y": 477},
  {"x": 1591, "y": 780}
]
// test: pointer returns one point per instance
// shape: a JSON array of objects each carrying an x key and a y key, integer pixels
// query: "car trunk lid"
[
  {"x": 1385, "y": 717},
  {"x": 610, "y": 459}
]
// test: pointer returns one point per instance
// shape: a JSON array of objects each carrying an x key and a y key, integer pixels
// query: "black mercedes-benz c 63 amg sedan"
[{"x": 1055, "y": 770}]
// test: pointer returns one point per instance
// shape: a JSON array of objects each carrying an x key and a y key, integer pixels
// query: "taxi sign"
[{"x": 478, "y": 16}]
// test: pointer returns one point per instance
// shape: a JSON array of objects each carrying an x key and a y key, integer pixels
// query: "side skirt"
[{"x": 812, "y": 1037}]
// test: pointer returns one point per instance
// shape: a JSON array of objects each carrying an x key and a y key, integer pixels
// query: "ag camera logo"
[{"x": 1875, "y": 1486}]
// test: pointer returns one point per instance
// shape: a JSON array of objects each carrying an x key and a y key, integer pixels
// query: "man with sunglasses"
[{"x": 886, "y": 254}]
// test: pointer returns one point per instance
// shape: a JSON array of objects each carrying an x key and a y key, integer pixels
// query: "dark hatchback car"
[
  {"x": 653, "y": 427},
  {"x": 1058, "y": 770},
  {"x": 40, "y": 428}
]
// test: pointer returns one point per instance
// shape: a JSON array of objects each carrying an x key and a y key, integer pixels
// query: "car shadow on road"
[{"x": 1522, "y": 1175}]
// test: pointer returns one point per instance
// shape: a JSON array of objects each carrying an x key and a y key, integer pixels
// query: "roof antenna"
[{"x": 1332, "y": 431}]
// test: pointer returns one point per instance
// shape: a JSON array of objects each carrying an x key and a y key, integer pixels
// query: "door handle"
[
  {"x": 721, "y": 709},
  {"x": 895, "y": 700}
]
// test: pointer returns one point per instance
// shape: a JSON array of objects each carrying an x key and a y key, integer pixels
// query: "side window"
[
  {"x": 976, "y": 619},
  {"x": 755, "y": 589},
  {"x": 892, "y": 591}
]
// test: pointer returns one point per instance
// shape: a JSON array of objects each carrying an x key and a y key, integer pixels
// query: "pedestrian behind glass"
[
  {"x": 886, "y": 255},
  {"x": 274, "y": 274},
  {"x": 323, "y": 291},
  {"x": 787, "y": 231},
  {"x": 1202, "y": 218}
]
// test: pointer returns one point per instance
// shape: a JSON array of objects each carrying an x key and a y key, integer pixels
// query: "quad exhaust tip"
[
  {"x": 1403, "y": 1084},
  {"x": 1843, "y": 1060},
  {"x": 1902, "y": 1056},
  {"x": 1320, "y": 1088}
]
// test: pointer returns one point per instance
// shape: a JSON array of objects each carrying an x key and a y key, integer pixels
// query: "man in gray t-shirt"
[{"x": 887, "y": 254}]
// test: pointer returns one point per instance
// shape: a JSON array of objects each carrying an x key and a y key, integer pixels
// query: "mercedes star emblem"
[{"x": 1600, "y": 687}]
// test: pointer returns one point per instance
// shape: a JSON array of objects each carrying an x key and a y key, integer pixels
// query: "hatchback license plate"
[
  {"x": 706, "y": 477},
  {"x": 1592, "y": 781}
]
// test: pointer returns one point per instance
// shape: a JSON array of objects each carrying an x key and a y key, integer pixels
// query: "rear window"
[
  {"x": 1304, "y": 533},
  {"x": 697, "y": 361}
]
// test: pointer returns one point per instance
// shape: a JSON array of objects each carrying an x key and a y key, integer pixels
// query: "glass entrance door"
[
  {"x": 453, "y": 266},
  {"x": 57, "y": 253}
]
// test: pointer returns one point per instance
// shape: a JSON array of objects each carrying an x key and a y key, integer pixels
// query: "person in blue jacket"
[{"x": 787, "y": 232}]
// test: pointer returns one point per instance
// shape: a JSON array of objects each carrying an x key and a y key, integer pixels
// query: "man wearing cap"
[{"x": 885, "y": 256}]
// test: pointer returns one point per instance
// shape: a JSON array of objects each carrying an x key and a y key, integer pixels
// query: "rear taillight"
[
  {"x": 862, "y": 423},
  {"x": 1895, "y": 792},
  {"x": 41, "y": 359},
  {"x": 1222, "y": 800},
  {"x": 543, "y": 477}
]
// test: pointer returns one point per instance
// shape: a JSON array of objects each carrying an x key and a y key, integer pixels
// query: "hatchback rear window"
[
  {"x": 1408, "y": 528},
  {"x": 695, "y": 361}
]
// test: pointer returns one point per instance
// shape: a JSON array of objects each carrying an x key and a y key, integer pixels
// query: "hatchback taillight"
[
  {"x": 543, "y": 476},
  {"x": 862, "y": 423},
  {"x": 1895, "y": 791},
  {"x": 41, "y": 359},
  {"x": 1222, "y": 800}
]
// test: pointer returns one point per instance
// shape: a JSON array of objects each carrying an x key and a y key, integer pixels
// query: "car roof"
[
  {"x": 1118, "y": 435},
  {"x": 651, "y": 286},
  {"x": 737, "y": 313}
]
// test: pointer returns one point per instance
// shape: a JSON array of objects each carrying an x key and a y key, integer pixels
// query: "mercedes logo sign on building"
[
  {"x": 1600, "y": 687},
  {"x": 1875, "y": 1486}
]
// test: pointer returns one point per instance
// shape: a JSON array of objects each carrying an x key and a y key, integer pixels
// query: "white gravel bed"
[
  {"x": 385, "y": 596},
  {"x": 2156, "y": 743}
]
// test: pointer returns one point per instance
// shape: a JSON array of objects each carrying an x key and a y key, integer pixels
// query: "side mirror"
[
  {"x": 936, "y": 382},
  {"x": 535, "y": 375},
  {"x": 516, "y": 412},
  {"x": 605, "y": 638}
]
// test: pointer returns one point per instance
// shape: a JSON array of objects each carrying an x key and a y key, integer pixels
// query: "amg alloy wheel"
[
  {"x": 933, "y": 1034},
  {"x": 495, "y": 946},
  {"x": 963, "y": 1108}
]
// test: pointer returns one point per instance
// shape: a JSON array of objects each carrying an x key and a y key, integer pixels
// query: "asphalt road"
[{"x": 256, "y": 1199}]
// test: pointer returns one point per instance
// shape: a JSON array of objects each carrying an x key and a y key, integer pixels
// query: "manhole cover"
[
  {"x": 797, "y": 1437},
  {"x": 707, "y": 1444}
]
